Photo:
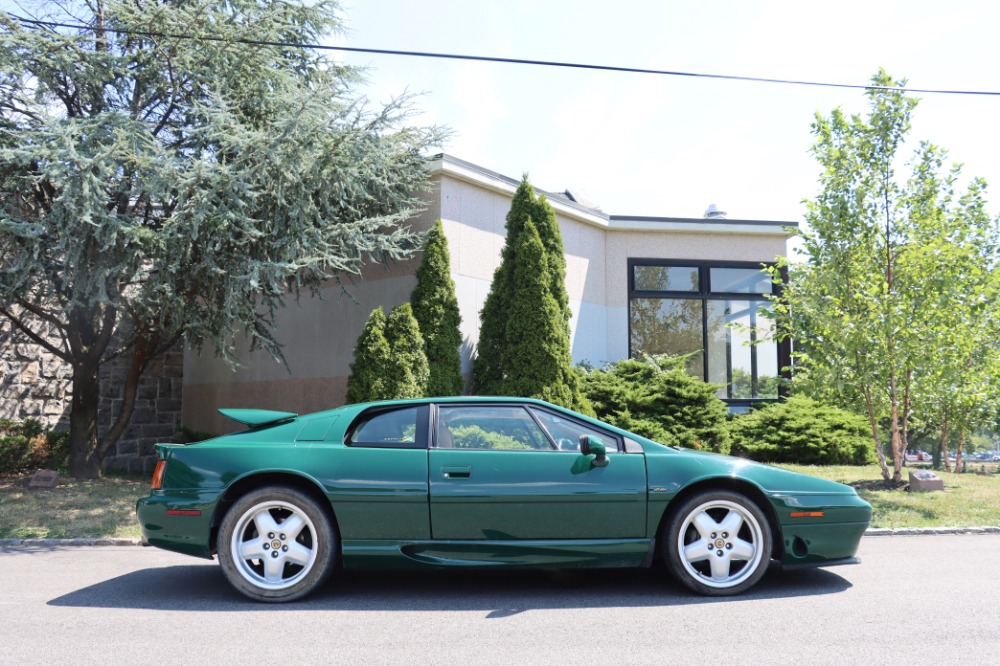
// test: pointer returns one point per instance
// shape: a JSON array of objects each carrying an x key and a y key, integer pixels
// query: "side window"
[
  {"x": 394, "y": 428},
  {"x": 566, "y": 432},
  {"x": 489, "y": 427}
]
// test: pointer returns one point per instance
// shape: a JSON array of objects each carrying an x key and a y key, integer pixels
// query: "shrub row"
[
  {"x": 27, "y": 445},
  {"x": 656, "y": 398}
]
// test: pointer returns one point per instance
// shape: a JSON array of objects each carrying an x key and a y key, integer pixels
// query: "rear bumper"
[{"x": 180, "y": 522}]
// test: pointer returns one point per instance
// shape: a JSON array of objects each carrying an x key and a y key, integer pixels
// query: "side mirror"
[{"x": 599, "y": 451}]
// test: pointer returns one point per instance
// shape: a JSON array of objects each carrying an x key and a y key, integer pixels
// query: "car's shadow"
[{"x": 498, "y": 593}]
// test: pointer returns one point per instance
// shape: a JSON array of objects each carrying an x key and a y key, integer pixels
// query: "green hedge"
[
  {"x": 801, "y": 430},
  {"x": 27, "y": 446},
  {"x": 657, "y": 399}
]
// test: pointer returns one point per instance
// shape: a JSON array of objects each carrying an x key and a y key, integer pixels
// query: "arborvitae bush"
[
  {"x": 408, "y": 371},
  {"x": 435, "y": 308},
  {"x": 801, "y": 430},
  {"x": 370, "y": 368},
  {"x": 523, "y": 345},
  {"x": 656, "y": 398}
]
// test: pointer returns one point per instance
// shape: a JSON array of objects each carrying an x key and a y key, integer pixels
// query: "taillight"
[{"x": 161, "y": 467}]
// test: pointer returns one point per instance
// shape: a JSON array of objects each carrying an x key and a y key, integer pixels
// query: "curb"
[
  {"x": 928, "y": 531},
  {"x": 62, "y": 543},
  {"x": 871, "y": 532}
]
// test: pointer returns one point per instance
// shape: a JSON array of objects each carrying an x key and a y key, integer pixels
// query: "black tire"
[
  {"x": 717, "y": 543},
  {"x": 295, "y": 526}
]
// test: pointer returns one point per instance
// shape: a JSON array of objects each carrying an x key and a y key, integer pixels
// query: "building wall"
[
  {"x": 318, "y": 336},
  {"x": 472, "y": 203}
]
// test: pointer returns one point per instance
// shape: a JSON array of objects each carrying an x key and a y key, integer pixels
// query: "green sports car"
[{"x": 499, "y": 482}]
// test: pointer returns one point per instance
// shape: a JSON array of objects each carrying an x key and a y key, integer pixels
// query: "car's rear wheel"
[
  {"x": 718, "y": 543},
  {"x": 276, "y": 544}
]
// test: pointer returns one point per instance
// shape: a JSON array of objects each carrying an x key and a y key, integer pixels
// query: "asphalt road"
[{"x": 913, "y": 600}]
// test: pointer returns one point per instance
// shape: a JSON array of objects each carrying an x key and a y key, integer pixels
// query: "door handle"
[{"x": 456, "y": 471}]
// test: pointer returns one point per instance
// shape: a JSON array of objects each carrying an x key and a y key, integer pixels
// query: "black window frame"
[
  {"x": 420, "y": 435},
  {"x": 705, "y": 294}
]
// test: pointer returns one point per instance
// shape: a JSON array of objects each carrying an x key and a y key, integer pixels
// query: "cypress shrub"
[
  {"x": 408, "y": 370},
  {"x": 515, "y": 357},
  {"x": 435, "y": 308},
  {"x": 654, "y": 397},
  {"x": 801, "y": 430},
  {"x": 370, "y": 368}
]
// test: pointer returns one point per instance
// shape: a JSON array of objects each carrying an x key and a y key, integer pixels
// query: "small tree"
[
  {"x": 531, "y": 284},
  {"x": 435, "y": 308},
  {"x": 370, "y": 369},
  {"x": 408, "y": 371}
]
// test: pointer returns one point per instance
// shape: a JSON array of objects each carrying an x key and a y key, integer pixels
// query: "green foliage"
[
  {"x": 524, "y": 345},
  {"x": 474, "y": 437},
  {"x": 656, "y": 398},
  {"x": 27, "y": 446},
  {"x": 154, "y": 189},
  {"x": 435, "y": 308},
  {"x": 407, "y": 371},
  {"x": 895, "y": 311},
  {"x": 370, "y": 368},
  {"x": 802, "y": 431},
  {"x": 389, "y": 359}
]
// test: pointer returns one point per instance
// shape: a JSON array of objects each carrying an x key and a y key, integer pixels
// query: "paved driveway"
[{"x": 939, "y": 595}]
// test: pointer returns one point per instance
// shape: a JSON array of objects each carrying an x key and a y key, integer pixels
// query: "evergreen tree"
[
  {"x": 371, "y": 365},
  {"x": 435, "y": 308},
  {"x": 408, "y": 371},
  {"x": 524, "y": 333},
  {"x": 154, "y": 189}
]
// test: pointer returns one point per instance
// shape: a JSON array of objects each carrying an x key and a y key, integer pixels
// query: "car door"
[{"x": 497, "y": 472}]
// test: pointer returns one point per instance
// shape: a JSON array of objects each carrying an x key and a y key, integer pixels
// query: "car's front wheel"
[
  {"x": 718, "y": 543},
  {"x": 276, "y": 544}
]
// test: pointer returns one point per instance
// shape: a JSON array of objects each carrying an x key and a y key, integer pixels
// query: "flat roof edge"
[{"x": 442, "y": 163}]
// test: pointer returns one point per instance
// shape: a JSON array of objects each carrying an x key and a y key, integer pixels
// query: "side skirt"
[{"x": 563, "y": 553}]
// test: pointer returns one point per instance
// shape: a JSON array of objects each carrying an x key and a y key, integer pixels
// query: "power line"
[{"x": 513, "y": 61}]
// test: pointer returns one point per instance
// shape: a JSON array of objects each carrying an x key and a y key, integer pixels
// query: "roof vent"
[
  {"x": 579, "y": 197},
  {"x": 713, "y": 212}
]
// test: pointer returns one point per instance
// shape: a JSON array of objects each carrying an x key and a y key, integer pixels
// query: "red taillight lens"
[{"x": 161, "y": 467}]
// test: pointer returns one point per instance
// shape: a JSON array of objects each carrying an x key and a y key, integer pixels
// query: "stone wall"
[
  {"x": 157, "y": 414},
  {"x": 37, "y": 385}
]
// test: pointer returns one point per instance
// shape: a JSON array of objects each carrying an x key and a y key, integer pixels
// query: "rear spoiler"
[{"x": 256, "y": 417}]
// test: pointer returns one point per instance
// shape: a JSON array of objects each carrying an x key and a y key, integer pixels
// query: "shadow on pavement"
[{"x": 499, "y": 593}]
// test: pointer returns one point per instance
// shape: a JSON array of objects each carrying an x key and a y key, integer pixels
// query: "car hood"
[{"x": 677, "y": 467}]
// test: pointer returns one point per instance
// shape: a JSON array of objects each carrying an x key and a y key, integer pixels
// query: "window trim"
[
  {"x": 704, "y": 294},
  {"x": 420, "y": 438}
]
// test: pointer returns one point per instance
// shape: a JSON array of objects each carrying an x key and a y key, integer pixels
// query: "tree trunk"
[
  {"x": 943, "y": 448},
  {"x": 878, "y": 441},
  {"x": 958, "y": 447},
  {"x": 84, "y": 461}
]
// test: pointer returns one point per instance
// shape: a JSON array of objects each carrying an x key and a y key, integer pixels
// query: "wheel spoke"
[
  {"x": 253, "y": 549},
  {"x": 742, "y": 550},
  {"x": 298, "y": 554},
  {"x": 720, "y": 568},
  {"x": 705, "y": 525},
  {"x": 273, "y": 568},
  {"x": 732, "y": 523},
  {"x": 292, "y": 526},
  {"x": 265, "y": 523},
  {"x": 697, "y": 551}
]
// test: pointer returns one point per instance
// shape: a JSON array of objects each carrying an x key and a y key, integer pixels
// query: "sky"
[{"x": 639, "y": 144}]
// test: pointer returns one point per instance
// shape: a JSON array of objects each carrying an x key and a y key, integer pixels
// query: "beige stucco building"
[{"x": 655, "y": 284}]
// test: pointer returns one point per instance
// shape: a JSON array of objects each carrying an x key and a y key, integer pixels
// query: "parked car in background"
[{"x": 472, "y": 482}]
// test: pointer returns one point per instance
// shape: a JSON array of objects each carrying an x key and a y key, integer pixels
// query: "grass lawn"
[
  {"x": 73, "y": 509},
  {"x": 106, "y": 507},
  {"x": 968, "y": 500}
]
